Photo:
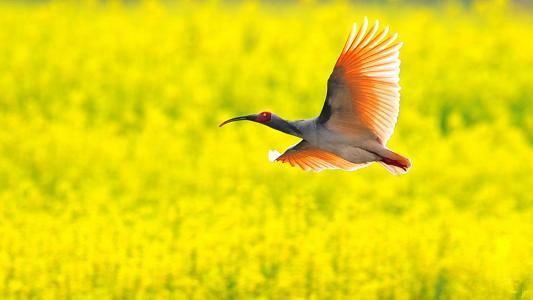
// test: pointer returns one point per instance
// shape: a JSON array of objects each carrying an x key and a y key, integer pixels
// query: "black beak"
[{"x": 243, "y": 118}]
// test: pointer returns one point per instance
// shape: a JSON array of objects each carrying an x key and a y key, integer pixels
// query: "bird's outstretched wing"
[
  {"x": 308, "y": 157},
  {"x": 363, "y": 91}
]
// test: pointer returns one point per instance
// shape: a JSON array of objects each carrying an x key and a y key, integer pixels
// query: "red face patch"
[{"x": 264, "y": 117}]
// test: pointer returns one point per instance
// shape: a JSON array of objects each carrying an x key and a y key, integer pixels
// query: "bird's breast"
[{"x": 327, "y": 139}]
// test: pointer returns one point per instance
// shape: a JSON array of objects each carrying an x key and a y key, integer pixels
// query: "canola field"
[{"x": 116, "y": 183}]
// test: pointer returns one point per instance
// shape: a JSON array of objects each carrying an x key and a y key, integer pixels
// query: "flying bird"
[{"x": 359, "y": 113}]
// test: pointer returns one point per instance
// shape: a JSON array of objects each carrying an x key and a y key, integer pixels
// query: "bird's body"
[
  {"x": 349, "y": 146},
  {"x": 358, "y": 147},
  {"x": 359, "y": 113}
]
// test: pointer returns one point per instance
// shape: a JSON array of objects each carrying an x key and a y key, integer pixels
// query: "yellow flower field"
[{"x": 116, "y": 183}]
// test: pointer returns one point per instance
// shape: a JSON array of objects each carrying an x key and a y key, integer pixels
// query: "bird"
[{"x": 359, "y": 113}]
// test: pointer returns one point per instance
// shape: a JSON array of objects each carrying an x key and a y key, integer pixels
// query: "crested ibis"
[{"x": 359, "y": 113}]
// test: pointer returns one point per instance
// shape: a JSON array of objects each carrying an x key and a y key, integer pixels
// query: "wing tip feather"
[{"x": 370, "y": 66}]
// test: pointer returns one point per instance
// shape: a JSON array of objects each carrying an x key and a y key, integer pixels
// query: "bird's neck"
[{"x": 288, "y": 127}]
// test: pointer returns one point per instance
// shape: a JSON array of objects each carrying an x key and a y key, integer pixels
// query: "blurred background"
[{"x": 116, "y": 183}]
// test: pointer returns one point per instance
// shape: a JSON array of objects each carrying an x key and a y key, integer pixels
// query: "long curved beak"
[{"x": 243, "y": 118}]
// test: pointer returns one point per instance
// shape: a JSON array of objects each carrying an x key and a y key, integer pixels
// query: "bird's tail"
[{"x": 395, "y": 163}]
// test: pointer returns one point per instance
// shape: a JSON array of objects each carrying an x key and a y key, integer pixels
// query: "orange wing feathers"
[
  {"x": 369, "y": 66},
  {"x": 311, "y": 158}
]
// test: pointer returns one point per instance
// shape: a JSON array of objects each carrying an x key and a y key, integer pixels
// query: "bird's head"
[
  {"x": 263, "y": 118},
  {"x": 268, "y": 119}
]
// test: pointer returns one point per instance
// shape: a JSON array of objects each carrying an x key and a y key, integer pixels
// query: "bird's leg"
[
  {"x": 394, "y": 159},
  {"x": 398, "y": 163}
]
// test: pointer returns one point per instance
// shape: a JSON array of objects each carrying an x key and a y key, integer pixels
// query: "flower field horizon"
[{"x": 116, "y": 182}]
